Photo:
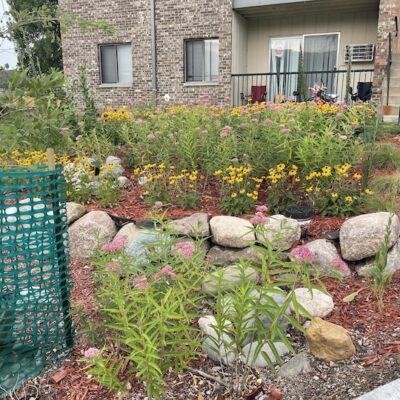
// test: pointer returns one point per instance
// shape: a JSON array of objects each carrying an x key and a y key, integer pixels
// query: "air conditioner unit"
[{"x": 360, "y": 52}]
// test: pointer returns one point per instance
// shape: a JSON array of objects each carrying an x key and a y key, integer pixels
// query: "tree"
[
  {"x": 38, "y": 44},
  {"x": 302, "y": 80}
]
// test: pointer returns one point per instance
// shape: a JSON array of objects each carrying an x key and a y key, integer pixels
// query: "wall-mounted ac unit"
[{"x": 360, "y": 52}]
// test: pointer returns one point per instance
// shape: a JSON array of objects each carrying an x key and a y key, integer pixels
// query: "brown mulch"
[{"x": 321, "y": 225}]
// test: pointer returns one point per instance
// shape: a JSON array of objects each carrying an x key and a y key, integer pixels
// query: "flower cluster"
[
  {"x": 115, "y": 245},
  {"x": 303, "y": 254},
  {"x": 185, "y": 249},
  {"x": 119, "y": 115}
]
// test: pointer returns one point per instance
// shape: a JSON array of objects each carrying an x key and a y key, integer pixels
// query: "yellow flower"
[
  {"x": 369, "y": 192},
  {"x": 216, "y": 173},
  {"x": 309, "y": 189},
  {"x": 191, "y": 186},
  {"x": 146, "y": 193},
  {"x": 242, "y": 191},
  {"x": 292, "y": 172},
  {"x": 334, "y": 195},
  {"x": 357, "y": 176},
  {"x": 234, "y": 195},
  {"x": 280, "y": 167},
  {"x": 348, "y": 199}
]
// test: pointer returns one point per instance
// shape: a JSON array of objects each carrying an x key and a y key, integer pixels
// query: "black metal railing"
[{"x": 272, "y": 86}]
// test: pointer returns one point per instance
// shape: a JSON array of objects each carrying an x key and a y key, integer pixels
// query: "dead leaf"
[
  {"x": 200, "y": 396},
  {"x": 351, "y": 297}
]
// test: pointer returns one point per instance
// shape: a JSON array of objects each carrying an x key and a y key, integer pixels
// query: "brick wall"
[
  {"x": 176, "y": 20},
  {"x": 388, "y": 9}
]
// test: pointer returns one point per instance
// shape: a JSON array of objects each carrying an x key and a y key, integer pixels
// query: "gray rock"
[
  {"x": 89, "y": 232},
  {"x": 74, "y": 212},
  {"x": 251, "y": 358},
  {"x": 195, "y": 225},
  {"x": 143, "y": 245},
  {"x": 208, "y": 325},
  {"x": 131, "y": 232},
  {"x": 362, "y": 236},
  {"x": 317, "y": 303},
  {"x": 220, "y": 350},
  {"x": 225, "y": 256},
  {"x": 325, "y": 252},
  {"x": 390, "y": 391},
  {"x": 281, "y": 232},
  {"x": 124, "y": 182},
  {"x": 299, "y": 364},
  {"x": 363, "y": 268},
  {"x": 117, "y": 169},
  {"x": 232, "y": 232},
  {"x": 230, "y": 276}
]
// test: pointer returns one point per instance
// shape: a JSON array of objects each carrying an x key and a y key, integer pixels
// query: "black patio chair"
[{"x": 364, "y": 92}]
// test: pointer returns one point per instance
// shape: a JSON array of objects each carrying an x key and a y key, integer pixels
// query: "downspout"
[{"x": 153, "y": 49}]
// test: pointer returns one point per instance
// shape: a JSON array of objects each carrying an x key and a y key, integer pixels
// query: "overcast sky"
[{"x": 7, "y": 51}]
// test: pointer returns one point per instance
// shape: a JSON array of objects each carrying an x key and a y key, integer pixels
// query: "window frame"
[
  {"x": 185, "y": 71},
  {"x": 114, "y": 84}
]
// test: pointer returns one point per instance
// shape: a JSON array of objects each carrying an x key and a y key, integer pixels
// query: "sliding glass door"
[{"x": 320, "y": 54}]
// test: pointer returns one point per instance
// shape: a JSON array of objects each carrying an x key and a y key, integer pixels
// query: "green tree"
[
  {"x": 302, "y": 80},
  {"x": 38, "y": 44}
]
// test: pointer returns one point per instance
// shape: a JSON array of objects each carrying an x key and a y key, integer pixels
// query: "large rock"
[
  {"x": 362, "y": 236},
  {"x": 195, "y": 225},
  {"x": 124, "y": 182},
  {"x": 116, "y": 163},
  {"x": 252, "y": 354},
  {"x": 317, "y": 303},
  {"x": 208, "y": 325},
  {"x": 390, "y": 391},
  {"x": 232, "y": 232},
  {"x": 299, "y": 364},
  {"x": 325, "y": 253},
  {"x": 329, "y": 342},
  {"x": 281, "y": 232},
  {"x": 225, "y": 256},
  {"x": 220, "y": 349},
  {"x": 227, "y": 278},
  {"x": 363, "y": 268},
  {"x": 131, "y": 232},
  {"x": 89, "y": 232},
  {"x": 74, "y": 212}
]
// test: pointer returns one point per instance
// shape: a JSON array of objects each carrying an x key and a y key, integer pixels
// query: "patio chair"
[
  {"x": 258, "y": 94},
  {"x": 364, "y": 91}
]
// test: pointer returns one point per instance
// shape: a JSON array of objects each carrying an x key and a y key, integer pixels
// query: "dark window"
[
  {"x": 116, "y": 63},
  {"x": 202, "y": 60}
]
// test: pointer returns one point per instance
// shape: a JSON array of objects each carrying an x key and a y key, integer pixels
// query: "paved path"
[{"x": 390, "y": 391}]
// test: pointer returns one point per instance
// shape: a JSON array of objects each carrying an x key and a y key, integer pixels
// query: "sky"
[{"x": 7, "y": 51}]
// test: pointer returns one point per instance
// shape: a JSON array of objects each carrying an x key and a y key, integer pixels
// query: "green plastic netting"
[{"x": 35, "y": 325}]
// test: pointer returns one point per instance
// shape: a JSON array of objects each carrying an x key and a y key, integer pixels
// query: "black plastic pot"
[{"x": 299, "y": 211}]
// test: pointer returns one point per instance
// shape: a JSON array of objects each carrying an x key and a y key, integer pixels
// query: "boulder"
[
  {"x": 363, "y": 267},
  {"x": 232, "y": 232},
  {"x": 225, "y": 256},
  {"x": 89, "y": 232},
  {"x": 74, "y": 212},
  {"x": 131, "y": 232},
  {"x": 219, "y": 350},
  {"x": 325, "y": 253},
  {"x": 362, "y": 236},
  {"x": 208, "y": 325},
  {"x": 195, "y": 225},
  {"x": 281, "y": 232},
  {"x": 116, "y": 162},
  {"x": 317, "y": 303},
  {"x": 329, "y": 342},
  {"x": 252, "y": 354},
  {"x": 227, "y": 278},
  {"x": 124, "y": 182},
  {"x": 299, "y": 364}
]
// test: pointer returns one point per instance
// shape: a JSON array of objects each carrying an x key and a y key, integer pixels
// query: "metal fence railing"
[{"x": 281, "y": 86}]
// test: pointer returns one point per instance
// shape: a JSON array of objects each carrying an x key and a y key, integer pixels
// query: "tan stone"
[{"x": 328, "y": 341}]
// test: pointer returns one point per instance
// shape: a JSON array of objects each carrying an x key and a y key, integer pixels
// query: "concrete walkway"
[{"x": 390, "y": 391}]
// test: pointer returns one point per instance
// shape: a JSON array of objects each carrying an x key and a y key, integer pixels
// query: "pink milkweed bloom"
[
  {"x": 259, "y": 218},
  {"x": 303, "y": 254},
  {"x": 115, "y": 245},
  {"x": 185, "y": 249},
  {"x": 158, "y": 204},
  {"x": 91, "y": 352},
  {"x": 141, "y": 282},
  {"x": 167, "y": 270},
  {"x": 262, "y": 208},
  {"x": 113, "y": 266},
  {"x": 285, "y": 130},
  {"x": 341, "y": 266}
]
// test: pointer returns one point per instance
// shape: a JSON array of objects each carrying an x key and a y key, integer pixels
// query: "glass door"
[{"x": 320, "y": 54}]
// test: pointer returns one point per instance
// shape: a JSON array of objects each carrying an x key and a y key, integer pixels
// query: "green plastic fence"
[{"x": 35, "y": 325}]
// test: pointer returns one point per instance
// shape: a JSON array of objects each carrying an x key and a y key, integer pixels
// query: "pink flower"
[
  {"x": 167, "y": 270},
  {"x": 303, "y": 254},
  {"x": 141, "y": 282},
  {"x": 92, "y": 352},
  {"x": 226, "y": 131},
  {"x": 262, "y": 208},
  {"x": 285, "y": 130},
  {"x": 259, "y": 218},
  {"x": 185, "y": 249},
  {"x": 113, "y": 266},
  {"x": 254, "y": 121},
  {"x": 139, "y": 122},
  {"x": 267, "y": 122},
  {"x": 158, "y": 204},
  {"x": 341, "y": 266},
  {"x": 151, "y": 136},
  {"x": 66, "y": 129},
  {"x": 78, "y": 138},
  {"x": 115, "y": 245}
]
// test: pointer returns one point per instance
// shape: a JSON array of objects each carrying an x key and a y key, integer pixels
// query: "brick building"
[{"x": 234, "y": 50}]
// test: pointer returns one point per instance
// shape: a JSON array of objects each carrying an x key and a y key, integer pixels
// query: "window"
[
  {"x": 202, "y": 60},
  {"x": 116, "y": 63}
]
